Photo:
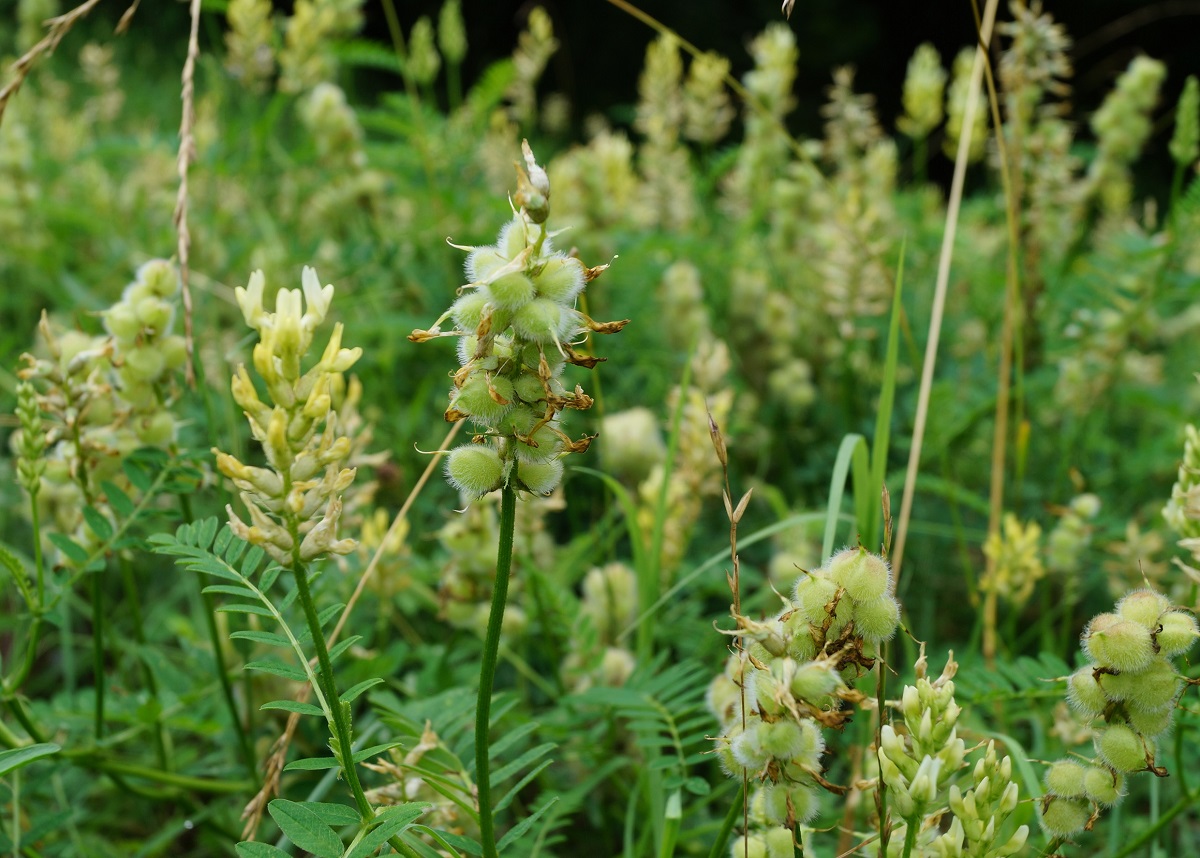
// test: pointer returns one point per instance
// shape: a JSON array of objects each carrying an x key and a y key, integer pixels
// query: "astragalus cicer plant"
[{"x": 516, "y": 325}]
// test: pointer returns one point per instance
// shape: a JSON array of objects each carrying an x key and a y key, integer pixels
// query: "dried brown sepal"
[
  {"x": 590, "y": 274},
  {"x": 453, "y": 415},
  {"x": 737, "y": 514},
  {"x": 576, "y": 359},
  {"x": 718, "y": 440},
  {"x": 420, "y": 336},
  {"x": 604, "y": 327}
]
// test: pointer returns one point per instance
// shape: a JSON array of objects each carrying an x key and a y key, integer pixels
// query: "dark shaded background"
[{"x": 603, "y": 47}]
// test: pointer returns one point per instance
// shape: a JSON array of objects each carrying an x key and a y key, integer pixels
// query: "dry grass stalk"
[
  {"x": 187, "y": 153},
  {"x": 58, "y": 27}
]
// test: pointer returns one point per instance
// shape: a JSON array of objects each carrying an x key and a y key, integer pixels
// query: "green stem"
[
  {"x": 1150, "y": 833},
  {"x": 187, "y": 782},
  {"x": 338, "y": 710},
  {"x": 38, "y": 562},
  {"x": 98, "y": 648},
  {"x": 910, "y": 835},
  {"x": 139, "y": 635},
  {"x": 487, "y": 670},
  {"x": 731, "y": 818},
  {"x": 240, "y": 726}
]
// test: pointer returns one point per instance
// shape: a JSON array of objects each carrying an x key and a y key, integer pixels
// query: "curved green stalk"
[
  {"x": 98, "y": 649},
  {"x": 341, "y": 726},
  {"x": 487, "y": 670}
]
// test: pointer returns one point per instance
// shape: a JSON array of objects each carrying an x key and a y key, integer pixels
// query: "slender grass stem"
[{"x": 487, "y": 670}]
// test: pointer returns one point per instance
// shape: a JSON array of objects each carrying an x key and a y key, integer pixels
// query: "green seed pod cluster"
[
  {"x": 516, "y": 320},
  {"x": 1130, "y": 689},
  {"x": 797, "y": 669}
]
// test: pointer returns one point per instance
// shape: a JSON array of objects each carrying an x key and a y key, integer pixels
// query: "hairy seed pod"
[
  {"x": 512, "y": 291},
  {"x": 1143, "y": 607},
  {"x": 1178, "y": 633},
  {"x": 1065, "y": 778},
  {"x": 1062, "y": 817},
  {"x": 474, "y": 469},
  {"x": 1103, "y": 786},
  {"x": 1084, "y": 694},
  {"x": 1121, "y": 748},
  {"x": 878, "y": 619},
  {"x": 540, "y": 478},
  {"x": 467, "y": 310},
  {"x": 1120, "y": 644},
  {"x": 864, "y": 575}
]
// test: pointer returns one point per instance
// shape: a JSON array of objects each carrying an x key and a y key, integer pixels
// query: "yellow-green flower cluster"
[
  {"x": 957, "y": 95},
  {"x": 103, "y": 397},
  {"x": 797, "y": 669},
  {"x": 1182, "y": 511},
  {"x": 1185, "y": 142},
  {"x": 1072, "y": 535},
  {"x": 535, "y": 46},
  {"x": 1122, "y": 126},
  {"x": 515, "y": 321},
  {"x": 249, "y": 42},
  {"x": 307, "y": 57},
  {"x": 706, "y": 109},
  {"x": 1129, "y": 689},
  {"x": 295, "y": 503},
  {"x": 452, "y": 32},
  {"x": 1015, "y": 554},
  {"x": 423, "y": 61},
  {"x": 608, "y": 606},
  {"x": 924, "y": 85}
]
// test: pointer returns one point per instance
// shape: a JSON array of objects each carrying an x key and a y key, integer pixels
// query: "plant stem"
[
  {"x": 731, "y": 818},
  {"x": 98, "y": 649},
  {"x": 341, "y": 726},
  {"x": 487, "y": 670},
  {"x": 139, "y": 635}
]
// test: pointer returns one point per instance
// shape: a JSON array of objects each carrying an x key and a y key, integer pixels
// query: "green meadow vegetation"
[{"x": 443, "y": 468}]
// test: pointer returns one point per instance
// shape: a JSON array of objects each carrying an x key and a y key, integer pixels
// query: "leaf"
[
  {"x": 99, "y": 525},
  {"x": 341, "y": 646},
  {"x": 137, "y": 476},
  {"x": 259, "y": 850},
  {"x": 117, "y": 499},
  {"x": 367, "y": 753},
  {"x": 520, "y": 785},
  {"x": 278, "y": 668},
  {"x": 355, "y": 690},
  {"x": 304, "y": 828},
  {"x": 311, "y": 764},
  {"x": 18, "y": 757},
  {"x": 246, "y": 608},
  {"x": 294, "y": 706},
  {"x": 521, "y": 762},
  {"x": 389, "y": 823},
  {"x": 71, "y": 549},
  {"x": 229, "y": 590},
  {"x": 269, "y": 577},
  {"x": 206, "y": 531},
  {"x": 268, "y": 638},
  {"x": 521, "y": 828},
  {"x": 334, "y": 814}
]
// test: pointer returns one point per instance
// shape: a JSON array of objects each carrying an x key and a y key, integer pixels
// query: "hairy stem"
[{"x": 487, "y": 670}]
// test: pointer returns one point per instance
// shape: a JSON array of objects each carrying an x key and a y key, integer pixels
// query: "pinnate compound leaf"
[
  {"x": 332, "y": 814},
  {"x": 268, "y": 638},
  {"x": 294, "y": 706},
  {"x": 355, "y": 690},
  {"x": 117, "y": 499},
  {"x": 249, "y": 849},
  {"x": 99, "y": 525},
  {"x": 304, "y": 828},
  {"x": 388, "y": 824},
  {"x": 278, "y": 668},
  {"x": 71, "y": 549},
  {"x": 522, "y": 828},
  {"x": 311, "y": 764},
  {"x": 18, "y": 757}
]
